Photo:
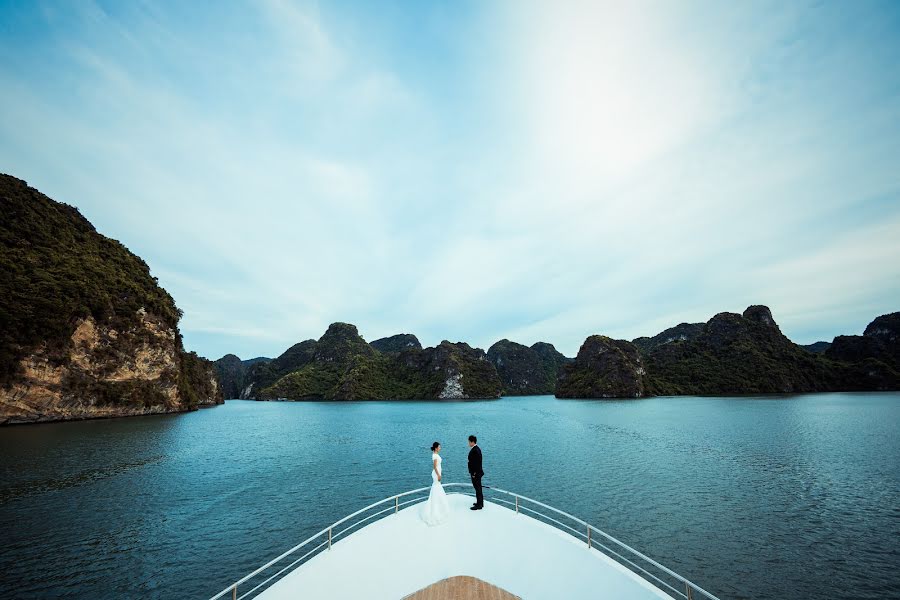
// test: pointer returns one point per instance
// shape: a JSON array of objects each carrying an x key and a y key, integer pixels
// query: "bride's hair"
[{"x": 434, "y": 446}]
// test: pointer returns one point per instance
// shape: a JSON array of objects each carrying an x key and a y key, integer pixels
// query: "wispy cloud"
[{"x": 530, "y": 170}]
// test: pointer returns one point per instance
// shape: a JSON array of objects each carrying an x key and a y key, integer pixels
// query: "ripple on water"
[{"x": 795, "y": 497}]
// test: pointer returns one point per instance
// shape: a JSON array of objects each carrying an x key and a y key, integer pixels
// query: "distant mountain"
[
  {"x": 342, "y": 366},
  {"x": 730, "y": 354},
  {"x": 737, "y": 354},
  {"x": 397, "y": 343},
  {"x": 520, "y": 368},
  {"x": 263, "y": 374},
  {"x": 232, "y": 372},
  {"x": 252, "y": 361},
  {"x": 604, "y": 368},
  {"x": 87, "y": 331},
  {"x": 526, "y": 370},
  {"x": 450, "y": 370},
  {"x": 816, "y": 347},
  {"x": 553, "y": 359},
  {"x": 733, "y": 354},
  {"x": 679, "y": 333},
  {"x": 875, "y": 354}
]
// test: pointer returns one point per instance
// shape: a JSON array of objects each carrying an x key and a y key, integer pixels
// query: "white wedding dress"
[{"x": 435, "y": 510}]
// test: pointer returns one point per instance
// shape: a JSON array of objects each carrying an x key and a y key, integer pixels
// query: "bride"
[{"x": 435, "y": 510}]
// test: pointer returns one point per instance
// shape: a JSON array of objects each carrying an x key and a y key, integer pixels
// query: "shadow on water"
[{"x": 38, "y": 487}]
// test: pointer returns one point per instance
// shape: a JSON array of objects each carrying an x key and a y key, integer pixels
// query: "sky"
[{"x": 472, "y": 171}]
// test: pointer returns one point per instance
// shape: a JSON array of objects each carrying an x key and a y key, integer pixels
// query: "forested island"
[
  {"x": 733, "y": 354},
  {"x": 86, "y": 330}
]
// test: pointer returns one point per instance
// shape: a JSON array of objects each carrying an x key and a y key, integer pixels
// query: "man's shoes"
[{"x": 476, "y": 507}]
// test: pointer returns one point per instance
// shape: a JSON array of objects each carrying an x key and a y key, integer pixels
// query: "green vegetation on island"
[
  {"x": 342, "y": 366},
  {"x": 526, "y": 370},
  {"x": 730, "y": 354},
  {"x": 397, "y": 343},
  {"x": 604, "y": 368},
  {"x": 233, "y": 372},
  {"x": 733, "y": 354}
]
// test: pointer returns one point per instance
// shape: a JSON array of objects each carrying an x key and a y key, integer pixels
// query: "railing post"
[
  {"x": 234, "y": 593},
  {"x": 589, "y": 536},
  {"x": 329, "y": 538},
  {"x": 517, "y": 504},
  {"x": 690, "y": 591},
  {"x": 396, "y": 503}
]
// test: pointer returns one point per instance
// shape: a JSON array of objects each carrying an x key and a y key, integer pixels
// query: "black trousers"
[{"x": 479, "y": 496}]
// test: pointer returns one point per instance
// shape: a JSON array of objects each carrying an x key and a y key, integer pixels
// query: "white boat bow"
[{"x": 522, "y": 546}]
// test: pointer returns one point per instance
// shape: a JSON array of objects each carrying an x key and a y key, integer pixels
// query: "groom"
[{"x": 476, "y": 472}]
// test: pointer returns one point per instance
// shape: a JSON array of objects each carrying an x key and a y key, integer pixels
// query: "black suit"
[{"x": 476, "y": 473}]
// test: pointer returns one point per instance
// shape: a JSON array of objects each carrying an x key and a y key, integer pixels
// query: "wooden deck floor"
[{"x": 461, "y": 587}]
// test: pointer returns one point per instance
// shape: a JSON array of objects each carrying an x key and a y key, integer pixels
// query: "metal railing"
[
  {"x": 607, "y": 544},
  {"x": 691, "y": 589}
]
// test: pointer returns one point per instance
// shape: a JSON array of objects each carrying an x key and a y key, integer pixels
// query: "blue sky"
[{"x": 474, "y": 170}]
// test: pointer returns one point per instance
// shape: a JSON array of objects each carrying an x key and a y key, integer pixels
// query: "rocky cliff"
[
  {"x": 397, "y": 343},
  {"x": 450, "y": 370},
  {"x": 526, "y": 370},
  {"x": 233, "y": 371},
  {"x": 873, "y": 358},
  {"x": 342, "y": 366},
  {"x": 680, "y": 333},
  {"x": 880, "y": 341},
  {"x": 264, "y": 374},
  {"x": 737, "y": 354},
  {"x": 553, "y": 359},
  {"x": 604, "y": 368},
  {"x": 816, "y": 347},
  {"x": 87, "y": 331}
]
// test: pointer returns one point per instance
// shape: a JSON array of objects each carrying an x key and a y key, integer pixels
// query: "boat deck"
[{"x": 400, "y": 555}]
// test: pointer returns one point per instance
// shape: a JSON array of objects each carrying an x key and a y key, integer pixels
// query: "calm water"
[{"x": 777, "y": 497}]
